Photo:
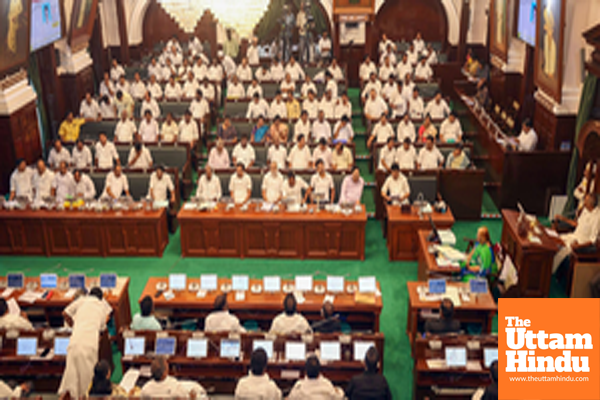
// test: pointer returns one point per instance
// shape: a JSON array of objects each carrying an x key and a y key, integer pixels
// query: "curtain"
[
  {"x": 268, "y": 27},
  {"x": 585, "y": 106}
]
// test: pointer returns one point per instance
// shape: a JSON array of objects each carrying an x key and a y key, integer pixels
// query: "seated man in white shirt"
[
  {"x": 139, "y": 157},
  {"x": 343, "y": 107},
  {"x": 335, "y": 70},
  {"x": 419, "y": 43},
  {"x": 321, "y": 128},
  {"x": 423, "y": 71},
  {"x": 437, "y": 108},
  {"x": 300, "y": 157},
  {"x": 244, "y": 153},
  {"x": 372, "y": 84},
  {"x": 235, "y": 90},
  {"x": 89, "y": 109},
  {"x": 164, "y": 386},
  {"x": 366, "y": 69},
  {"x": 254, "y": 88},
  {"x": 395, "y": 189},
  {"x": 209, "y": 186},
  {"x": 277, "y": 153},
  {"x": 116, "y": 70},
  {"x": 343, "y": 132},
  {"x": 292, "y": 189},
  {"x": 138, "y": 89},
  {"x": 57, "y": 154},
  {"x": 10, "y": 321},
  {"x": 243, "y": 71},
  {"x": 302, "y": 126},
  {"x": 289, "y": 321},
  {"x": 386, "y": 69},
  {"x": 404, "y": 67},
  {"x": 387, "y": 155},
  {"x": 381, "y": 132},
  {"x": 314, "y": 385},
  {"x": 63, "y": 185},
  {"x": 389, "y": 89},
  {"x": 125, "y": 129},
  {"x": 252, "y": 53},
  {"x": 220, "y": 319},
  {"x": 406, "y": 129},
  {"x": 81, "y": 156},
  {"x": 327, "y": 105},
  {"x": 154, "y": 88},
  {"x": 150, "y": 104},
  {"x": 322, "y": 152},
  {"x": 375, "y": 107},
  {"x": 277, "y": 71},
  {"x": 106, "y": 153},
  {"x": 323, "y": 189},
  {"x": 21, "y": 185},
  {"x": 263, "y": 74},
  {"x": 240, "y": 185},
  {"x": 416, "y": 108},
  {"x": 188, "y": 129},
  {"x": 295, "y": 70},
  {"x": 306, "y": 86},
  {"x": 258, "y": 107},
  {"x": 173, "y": 90},
  {"x": 200, "y": 108},
  {"x": 406, "y": 155},
  {"x": 586, "y": 230},
  {"x": 148, "y": 129},
  {"x": 527, "y": 139},
  {"x": 123, "y": 86},
  {"x": 272, "y": 184},
  {"x": 116, "y": 184},
  {"x": 429, "y": 156},
  {"x": 107, "y": 87},
  {"x": 287, "y": 86},
  {"x": 41, "y": 181},
  {"x": 311, "y": 105},
  {"x": 161, "y": 186},
  {"x": 188, "y": 91},
  {"x": 218, "y": 158},
  {"x": 278, "y": 107},
  {"x": 450, "y": 130},
  {"x": 324, "y": 47},
  {"x": 257, "y": 385},
  {"x": 84, "y": 187}
]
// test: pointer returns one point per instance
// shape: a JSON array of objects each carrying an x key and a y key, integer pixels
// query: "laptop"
[
  {"x": 208, "y": 282},
  {"x": 27, "y": 346},
  {"x": 361, "y": 348},
  {"x": 197, "y": 348},
  {"x": 240, "y": 283},
  {"x": 272, "y": 284},
  {"x": 48, "y": 281},
  {"x": 335, "y": 284},
  {"x": 165, "y": 346},
  {"x": 266, "y": 345},
  {"x": 77, "y": 281},
  {"x": 230, "y": 348},
  {"x": 295, "y": 351},
  {"x": 15, "y": 280},
  {"x": 60, "y": 346},
  {"x": 456, "y": 357},
  {"x": 330, "y": 350},
  {"x": 490, "y": 354},
  {"x": 177, "y": 281},
  {"x": 108, "y": 281},
  {"x": 135, "y": 346}
]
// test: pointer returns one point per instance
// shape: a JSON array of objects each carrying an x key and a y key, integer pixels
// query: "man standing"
[
  {"x": 87, "y": 316},
  {"x": 352, "y": 188}
]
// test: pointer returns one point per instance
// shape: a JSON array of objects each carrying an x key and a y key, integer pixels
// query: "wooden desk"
[
  {"x": 83, "y": 233},
  {"x": 533, "y": 261},
  {"x": 52, "y": 308},
  {"x": 428, "y": 267},
  {"x": 402, "y": 229},
  {"x": 479, "y": 309},
  {"x": 263, "y": 307},
  {"x": 431, "y": 383},
  {"x": 222, "y": 374},
  {"x": 235, "y": 233}
]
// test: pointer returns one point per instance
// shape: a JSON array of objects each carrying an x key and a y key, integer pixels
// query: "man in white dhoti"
[
  {"x": 290, "y": 321},
  {"x": 87, "y": 316}
]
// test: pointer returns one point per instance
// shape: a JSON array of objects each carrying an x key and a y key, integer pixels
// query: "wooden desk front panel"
[
  {"x": 253, "y": 234},
  {"x": 83, "y": 233}
]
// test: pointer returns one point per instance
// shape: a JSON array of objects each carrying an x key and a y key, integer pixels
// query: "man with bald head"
[
  {"x": 272, "y": 184},
  {"x": 116, "y": 184}
]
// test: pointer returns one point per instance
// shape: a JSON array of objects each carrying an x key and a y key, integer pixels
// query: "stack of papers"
[
  {"x": 189, "y": 206},
  {"x": 129, "y": 379},
  {"x": 443, "y": 262},
  {"x": 447, "y": 237},
  {"x": 451, "y": 253},
  {"x": 30, "y": 296},
  {"x": 436, "y": 364}
]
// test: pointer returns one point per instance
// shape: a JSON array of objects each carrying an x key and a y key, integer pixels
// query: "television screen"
[
  {"x": 46, "y": 23},
  {"x": 526, "y": 21}
]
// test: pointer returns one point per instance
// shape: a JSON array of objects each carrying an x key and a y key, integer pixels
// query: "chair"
[{"x": 581, "y": 255}]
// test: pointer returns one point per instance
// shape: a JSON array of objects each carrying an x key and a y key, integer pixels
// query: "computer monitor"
[
  {"x": 177, "y": 281},
  {"x": 240, "y": 283},
  {"x": 361, "y": 348},
  {"x": 335, "y": 284},
  {"x": 209, "y": 282},
  {"x": 135, "y": 346},
  {"x": 266, "y": 345},
  {"x": 437, "y": 286},
  {"x": 330, "y": 351},
  {"x": 304, "y": 283},
  {"x": 77, "y": 281},
  {"x": 15, "y": 280},
  {"x": 27, "y": 346},
  {"x": 295, "y": 351},
  {"x": 108, "y": 281},
  {"x": 165, "y": 346},
  {"x": 490, "y": 354},
  {"x": 197, "y": 348},
  {"x": 272, "y": 283},
  {"x": 60, "y": 346},
  {"x": 48, "y": 281},
  {"x": 478, "y": 286},
  {"x": 456, "y": 356},
  {"x": 230, "y": 348},
  {"x": 367, "y": 284}
]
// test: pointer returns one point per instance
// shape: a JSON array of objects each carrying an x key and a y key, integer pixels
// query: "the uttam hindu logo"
[{"x": 549, "y": 349}]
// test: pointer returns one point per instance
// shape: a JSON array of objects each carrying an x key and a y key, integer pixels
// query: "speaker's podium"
[{"x": 353, "y": 21}]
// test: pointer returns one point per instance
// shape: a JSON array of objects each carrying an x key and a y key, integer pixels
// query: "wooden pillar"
[
  {"x": 464, "y": 29},
  {"x": 52, "y": 92},
  {"x": 124, "y": 38}
]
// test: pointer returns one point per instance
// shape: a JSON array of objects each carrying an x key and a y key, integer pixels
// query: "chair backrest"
[
  {"x": 91, "y": 130},
  {"x": 236, "y": 109},
  {"x": 168, "y": 156},
  {"x": 426, "y": 184}
]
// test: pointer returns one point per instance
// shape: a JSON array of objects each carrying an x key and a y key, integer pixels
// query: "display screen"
[
  {"x": 304, "y": 283},
  {"x": 266, "y": 345},
  {"x": 230, "y": 348},
  {"x": 26, "y": 346},
  {"x": 272, "y": 283},
  {"x": 15, "y": 281},
  {"x": 456, "y": 357},
  {"x": 526, "y": 23},
  {"x": 46, "y": 23},
  {"x": 295, "y": 351},
  {"x": 367, "y": 284},
  {"x": 135, "y": 346},
  {"x": 197, "y": 348},
  {"x": 361, "y": 348},
  {"x": 331, "y": 351},
  {"x": 108, "y": 281},
  {"x": 240, "y": 282},
  {"x": 437, "y": 286},
  {"x": 490, "y": 354},
  {"x": 60, "y": 346},
  {"x": 478, "y": 286},
  {"x": 48, "y": 281},
  {"x": 177, "y": 281},
  {"x": 208, "y": 282},
  {"x": 335, "y": 284},
  {"x": 77, "y": 281},
  {"x": 165, "y": 346}
]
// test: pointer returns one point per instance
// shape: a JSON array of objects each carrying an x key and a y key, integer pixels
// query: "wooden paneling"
[
  {"x": 75, "y": 87},
  {"x": 553, "y": 129}
]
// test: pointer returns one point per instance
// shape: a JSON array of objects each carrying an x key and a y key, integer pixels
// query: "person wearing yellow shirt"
[
  {"x": 69, "y": 128},
  {"x": 293, "y": 108}
]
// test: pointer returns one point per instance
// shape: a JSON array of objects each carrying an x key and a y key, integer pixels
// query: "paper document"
[
  {"x": 436, "y": 364},
  {"x": 129, "y": 379},
  {"x": 30, "y": 296},
  {"x": 70, "y": 293},
  {"x": 189, "y": 206},
  {"x": 552, "y": 233},
  {"x": 13, "y": 307},
  {"x": 451, "y": 253},
  {"x": 447, "y": 237}
]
